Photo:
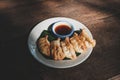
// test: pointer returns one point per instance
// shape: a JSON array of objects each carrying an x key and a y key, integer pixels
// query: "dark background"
[{"x": 18, "y": 17}]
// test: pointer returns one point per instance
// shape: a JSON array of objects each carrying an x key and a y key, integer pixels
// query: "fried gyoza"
[
  {"x": 56, "y": 50},
  {"x": 44, "y": 45},
  {"x": 77, "y": 43},
  {"x": 84, "y": 37},
  {"x": 68, "y": 49}
]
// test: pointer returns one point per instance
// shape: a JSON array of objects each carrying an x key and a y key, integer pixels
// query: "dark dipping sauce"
[{"x": 63, "y": 29}]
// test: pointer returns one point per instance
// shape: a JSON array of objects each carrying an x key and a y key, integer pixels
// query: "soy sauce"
[{"x": 63, "y": 29}]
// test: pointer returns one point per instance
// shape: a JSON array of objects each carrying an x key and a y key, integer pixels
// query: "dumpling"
[
  {"x": 84, "y": 37},
  {"x": 68, "y": 49},
  {"x": 56, "y": 50},
  {"x": 44, "y": 45},
  {"x": 77, "y": 43}
]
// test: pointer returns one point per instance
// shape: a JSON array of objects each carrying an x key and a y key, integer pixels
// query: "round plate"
[{"x": 37, "y": 30}]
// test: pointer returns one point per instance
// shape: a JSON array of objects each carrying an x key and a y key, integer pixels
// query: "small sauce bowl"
[{"x": 62, "y": 29}]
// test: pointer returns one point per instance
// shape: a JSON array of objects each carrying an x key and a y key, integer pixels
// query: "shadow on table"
[{"x": 109, "y": 7}]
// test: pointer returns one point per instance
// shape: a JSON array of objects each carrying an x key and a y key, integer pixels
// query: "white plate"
[{"x": 35, "y": 33}]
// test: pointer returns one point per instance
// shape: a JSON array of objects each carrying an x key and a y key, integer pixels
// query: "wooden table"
[{"x": 18, "y": 17}]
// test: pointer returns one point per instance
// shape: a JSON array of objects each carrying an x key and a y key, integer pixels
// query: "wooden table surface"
[{"x": 18, "y": 18}]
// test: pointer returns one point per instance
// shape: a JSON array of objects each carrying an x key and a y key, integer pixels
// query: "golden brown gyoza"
[
  {"x": 83, "y": 36},
  {"x": 56, "y": 50},
  {"x": 78, "y": 45},
  {"x": 68, "y": 49},
  {"x": 44, "y": 45},
  {"x": 82, "y": 41}
]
